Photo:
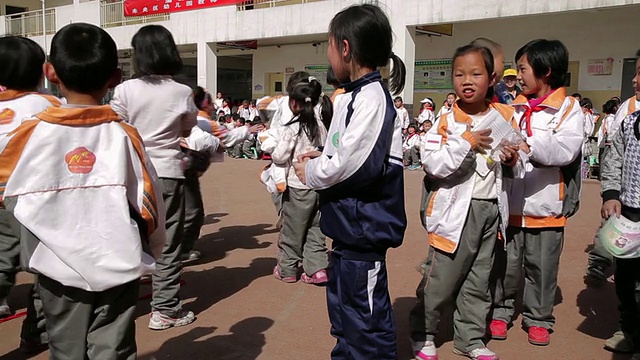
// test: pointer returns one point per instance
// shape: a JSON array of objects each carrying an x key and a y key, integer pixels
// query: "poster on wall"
[
  {"x": 320, "y": 72},
  {"x": 433, "y": 75},
  {"x": 600, "y": 66},
  {"x": 152, "y": 7}
]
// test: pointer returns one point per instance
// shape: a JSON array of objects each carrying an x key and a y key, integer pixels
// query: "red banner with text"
[{"x": 152, "y": 7}]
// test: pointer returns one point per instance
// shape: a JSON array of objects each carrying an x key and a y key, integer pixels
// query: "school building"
[{"x": 247, "y": 49}]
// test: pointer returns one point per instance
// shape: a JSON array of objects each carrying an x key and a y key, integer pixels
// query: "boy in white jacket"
[{"x": 98, "y": 225}]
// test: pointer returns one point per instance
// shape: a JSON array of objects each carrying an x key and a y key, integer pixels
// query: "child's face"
[
  {"x": 219, "y": 95},
  {"x": 412, "y": 130},
  {"x": 225, "y": 103},
  {"x": 398, "y": 103},
  {"x": 510, "y": 81},
  {"x": 426, "y": 126},
  {"x": 471, "y": 80},
  {"x": 451, "y": 99},
  {"x": 336, "y": 55},
  {"x": 636, "y": 80},
  {"x": 528, "y": 81}
]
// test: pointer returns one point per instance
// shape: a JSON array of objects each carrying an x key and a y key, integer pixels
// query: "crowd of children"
[{"x": 510, "y": 156}]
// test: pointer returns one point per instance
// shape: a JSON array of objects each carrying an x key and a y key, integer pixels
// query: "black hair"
[
  {"x": 155, "y": 52},
  {"x": 638, "y": 53},
  {"x": 199, "y": 96},
  {"x": 610, "y": 107},
  {"x": 331, "y": 78},
  {"x": 398, "y": 98},
  {"x": 487, "y": 58},
  {"x": 367, "y": 30},
  {"x": 413, "y": 126},
  {"x": 308, "y": 93},
  {"x": 586, "y": 103},
  {"x": 577, "y": 95},
  {"x": 21, "y": 62},
  {"x": 235, "y": 116},
  {"x": 84, "y": 56},
  {"x": 221, "y": 119},
  {"x": 428, "y": 121},
  {"x": 454, "y": 94},
  {"x": 547, "y": 57},
  {"x": 295, "y": 79},
  {"x": 257, "y": 120},
  {"x": 228, "y": 116},
  {"x": 241, "y": 120}
]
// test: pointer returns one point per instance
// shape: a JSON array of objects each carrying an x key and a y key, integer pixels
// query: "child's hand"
[
  {"x": 525, "y": 147},
  {"x": 483, "y": 139},
  {"x": 509, "y": 155},
  {"x": 611, "y": 207},
  {"x": 300, "y": 169},
  {"x": 309, "y": 155}
]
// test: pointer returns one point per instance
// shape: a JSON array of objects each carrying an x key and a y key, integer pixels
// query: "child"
[
  {"x": 244, "y": 111},
  {"x": 90, "y": 263},
  {"x": 510, "y": 77},
  {"x": 403, "y": 114},
  {"x": 225, "y": 107},
  {"x": 411, "y": 149},
  {"x": 333, "y": 81},
  {"x": 300, "y": 237},
  {"x": 21, "y": 63},
  {"x": 621, "y": 198},
  {"x": 608, "y": 127},
  {"x": 462, "y": 234},
  {"x": 161, "y": 118},
  {"x": 359, "y": 177},
  {"x": 553, "y": 126},
  {"x": 589, "y": 124},
  {"x": 218, "y": 101},
  {"x": 447, "y": 105},
  {"x": 427, "y": 125},
  {"x": 427, "y": 111}
]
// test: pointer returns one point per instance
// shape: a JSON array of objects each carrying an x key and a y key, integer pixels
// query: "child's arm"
[
  {"x": 189, "y": 118},
  {"x": 560, "y": 146},
  {"x": 283, "y": 151},
  {"x": 611, "y": 170},
  {"x": 442, "y": 157},
  {"x": 359, "y": 159},
  {"x": 119, "y": 102}
]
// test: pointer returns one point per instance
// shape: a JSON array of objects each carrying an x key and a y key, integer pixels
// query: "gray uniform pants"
[
  {"x": 598, "y": 256},
  {"x": 90, "y": 325},
  {"x": 537, "y": 251},
  {"x": 193, "y": 211},
  {"x": 300, "y": 235},
  {"x": 411, "y": 156},
  {"x": 33, "y": 326},
  {"x": 166, "y": 278},
  {"x": 462, "y": 277}
]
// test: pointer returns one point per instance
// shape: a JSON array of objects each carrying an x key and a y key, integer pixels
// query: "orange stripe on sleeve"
[{"x": 12, "y": 152}]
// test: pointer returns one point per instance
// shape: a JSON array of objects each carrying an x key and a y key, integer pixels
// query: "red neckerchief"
[{"x": 534, "y": 106}]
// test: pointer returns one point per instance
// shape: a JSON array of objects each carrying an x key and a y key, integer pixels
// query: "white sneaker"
[
  {"x": 428, "y": 351},
  {"x": 481, "y": 353},
  {"x": 160, "y": 321},
  {"x": 5, "y": 310},
  {"x": 193, "y": 255}
]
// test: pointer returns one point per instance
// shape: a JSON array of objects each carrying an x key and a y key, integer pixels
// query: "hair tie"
[
  {"x": 311, "y": 78},
  {"x": 307, "y": 99},
  {"x": 321, "y": 95}
]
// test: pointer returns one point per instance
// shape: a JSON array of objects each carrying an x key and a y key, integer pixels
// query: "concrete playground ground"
[{"x": 245, "y": 314}]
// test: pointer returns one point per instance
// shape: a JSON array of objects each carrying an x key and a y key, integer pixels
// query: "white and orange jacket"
[
  {"x": 79, "y": 181},
  {"x": 17, "y": 106},
  {"x": 555, "y": 140},
  {"x": 448, "y": 159}
]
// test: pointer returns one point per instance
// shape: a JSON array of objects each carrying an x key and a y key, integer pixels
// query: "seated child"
[{"x": 411, "y": 149}]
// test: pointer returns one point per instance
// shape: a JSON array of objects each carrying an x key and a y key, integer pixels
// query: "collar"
[
  {"x": 367, "y": 79},
  {"x": 14, "y": 94},
  {"x": 554, "y": 100},
  {"x": 79, "y": 115},
  {"x": 204, "y": 114}
]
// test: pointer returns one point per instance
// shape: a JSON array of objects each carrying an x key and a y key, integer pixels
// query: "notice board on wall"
[
  {"x": 320, "y": 73},
  {"x": 433, "y": 75}
]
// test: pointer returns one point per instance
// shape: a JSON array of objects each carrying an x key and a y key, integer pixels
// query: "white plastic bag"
[{"x": 621, "y": 237}]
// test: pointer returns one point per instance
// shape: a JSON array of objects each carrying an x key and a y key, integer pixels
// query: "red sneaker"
[
  {"x": 539, "y": 336},
  {"x": 498, "y": 329}
]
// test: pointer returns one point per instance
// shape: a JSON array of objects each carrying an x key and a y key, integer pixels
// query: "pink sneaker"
[
  {"x": 427, "y": 351},
  {"x": 319, "y": 278},
  {"x": 288, "y": 279}
]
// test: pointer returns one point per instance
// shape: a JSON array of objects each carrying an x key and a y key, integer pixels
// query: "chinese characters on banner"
[{"x": 152, "y": 7}]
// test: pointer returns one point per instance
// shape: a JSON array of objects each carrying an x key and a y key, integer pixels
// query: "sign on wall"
[
  {"x": 600, "y": 66},
  {"x": 152, "y": 7},
  {"x": 433, "y": 75},
  {"x": 320, "y": 72}
]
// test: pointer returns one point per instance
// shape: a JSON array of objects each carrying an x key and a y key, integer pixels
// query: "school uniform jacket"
[
  {"x": 17, "y": 106},
  {"x": 360, "y": 174},
  {"x": 80, "y": 183},
  {"x": 555, "y": 138},
  {"x": 627, "y": 108},
  {"x": 449, "y": 160}
]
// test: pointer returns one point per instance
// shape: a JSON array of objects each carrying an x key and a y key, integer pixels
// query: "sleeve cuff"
[
  {"x": 467, "y": 136},
  {"x": 610, "y": 195}
]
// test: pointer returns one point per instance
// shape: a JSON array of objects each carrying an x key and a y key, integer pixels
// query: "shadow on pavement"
[
  {"x": 245, "y": 341},
  {"x": 599, "y": 307},
  {"x": 215, "y": 246},
  {"x": 213, "y": 218}
]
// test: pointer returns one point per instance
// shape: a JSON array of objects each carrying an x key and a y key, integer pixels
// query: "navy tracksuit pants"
[{"x": 360, "y": 310}]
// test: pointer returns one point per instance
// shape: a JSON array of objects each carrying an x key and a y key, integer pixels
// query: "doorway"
[
  {"x": 573, "y": 75},
  {"x": 275, "y": 83},
  {"x": 628, "y": 72}
]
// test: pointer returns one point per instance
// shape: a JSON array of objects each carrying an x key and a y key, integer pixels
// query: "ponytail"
[
  {"x": 398, "y": 74},
  {"x": 307, "y": 94},
  {"x": 326, "y": 111}
]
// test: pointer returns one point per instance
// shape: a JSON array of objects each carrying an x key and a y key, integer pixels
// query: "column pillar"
[
  {"x": 207, "y": 66},
  {"x": 405, "y": 47}
]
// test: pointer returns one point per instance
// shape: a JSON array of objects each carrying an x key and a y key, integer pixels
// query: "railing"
[
  {"x": 112, "y": 14},
  {"x": 30, "y": 23},
  {"x": 261, "y": 4}
]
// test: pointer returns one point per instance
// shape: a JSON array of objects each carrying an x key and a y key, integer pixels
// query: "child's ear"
[
  {"x": 346, "y": 50},
  {"x": 116, "y": 78},
  {"x": 50, "y": 73},
  {"x": 493, "y": 79}
]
